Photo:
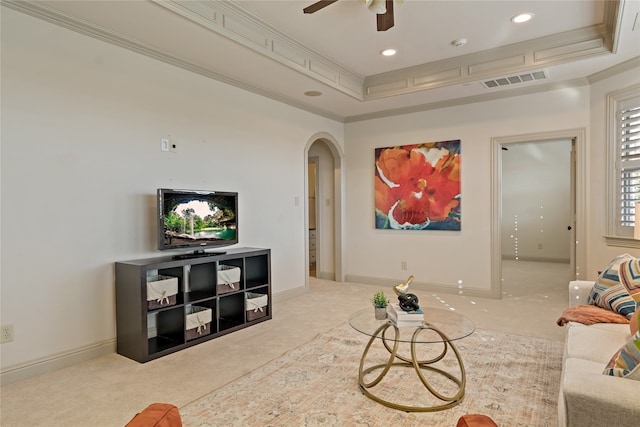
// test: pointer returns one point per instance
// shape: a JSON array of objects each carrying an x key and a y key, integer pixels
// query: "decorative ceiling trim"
[
  {"x": 232, "y": 21},
  {"x": 545, "y": 87},
  {"x": 448, "y": 73},
  {"x": 516, "y": 58}
]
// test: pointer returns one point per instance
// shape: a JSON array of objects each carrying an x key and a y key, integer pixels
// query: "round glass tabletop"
[{"x": 451, "y": 324}]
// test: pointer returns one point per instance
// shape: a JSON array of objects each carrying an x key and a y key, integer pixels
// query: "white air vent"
[{"x": 513, "y": 80}]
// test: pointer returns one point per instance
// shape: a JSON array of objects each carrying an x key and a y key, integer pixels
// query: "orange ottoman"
[
  {"x": 475, "y": 420},
  {"x": 157, "y": 415}
]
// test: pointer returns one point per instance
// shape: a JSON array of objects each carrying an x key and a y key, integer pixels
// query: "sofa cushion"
[
  {"x": 626, "y": 361},
  {"x": 575, "y": 365},
  {"x": 581, "y": 341},
  {"x": 608, "y": 292}
]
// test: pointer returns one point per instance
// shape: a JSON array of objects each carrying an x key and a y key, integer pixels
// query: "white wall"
[
  {"x": 443, "y": 258},
  {"x": 536, "y": 201},
  {"x": 81, "y": 161}
]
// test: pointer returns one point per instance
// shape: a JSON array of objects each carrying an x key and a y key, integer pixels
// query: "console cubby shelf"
[{"x": 207, "y": 294}]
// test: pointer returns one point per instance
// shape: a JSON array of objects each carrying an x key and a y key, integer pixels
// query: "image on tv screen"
[{"x": 199, "y": 219}]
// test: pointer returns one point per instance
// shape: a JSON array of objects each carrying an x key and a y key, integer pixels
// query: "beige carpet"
[{"x": 513, "y": 379}]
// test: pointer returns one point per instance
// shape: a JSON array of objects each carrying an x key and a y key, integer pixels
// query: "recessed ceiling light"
[
  {"x": 388, "y": 52},
  {"x": 313, "y": 93},
  {"x": 523, "y": 17}
]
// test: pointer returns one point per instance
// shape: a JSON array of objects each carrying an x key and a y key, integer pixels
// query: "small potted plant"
[{"x": 380, "y": 302}]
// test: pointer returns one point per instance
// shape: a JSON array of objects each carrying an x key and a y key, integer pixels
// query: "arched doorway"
[{"x": 323, "y": 207}]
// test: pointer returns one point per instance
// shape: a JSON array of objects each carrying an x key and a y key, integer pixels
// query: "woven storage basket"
[
  {"x": 256, "y": 305},
  {"x": 161, "y": 291},
  {"x": 228, "y": 279},
  {"x": 198, "y": 322}
]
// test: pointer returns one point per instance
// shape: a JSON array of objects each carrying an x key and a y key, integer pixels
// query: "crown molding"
[
  {"x": 631, "y": 64},
  {"x": 526, "y": 90}
]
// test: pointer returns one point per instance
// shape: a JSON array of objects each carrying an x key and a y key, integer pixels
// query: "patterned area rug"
[{"x": 513, "y": 379}]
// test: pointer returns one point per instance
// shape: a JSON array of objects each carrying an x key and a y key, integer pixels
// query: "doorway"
[
  {"x": 312, "y": 206},
  {"x": 522, "y": 212},
  {"x": 323, "y": 210},
  {"x": 536, "y": 216}
]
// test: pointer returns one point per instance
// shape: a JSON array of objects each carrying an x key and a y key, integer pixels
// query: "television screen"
[{"x": 191, "y": 219}]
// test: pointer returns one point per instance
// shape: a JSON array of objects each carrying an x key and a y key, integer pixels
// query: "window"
[{"x": 624, "y": 145}]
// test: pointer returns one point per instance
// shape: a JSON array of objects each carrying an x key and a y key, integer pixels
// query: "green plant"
[{"x": 380, "y": 300}]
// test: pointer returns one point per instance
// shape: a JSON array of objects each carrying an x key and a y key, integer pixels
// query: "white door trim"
[{"x": 579, "y": 136}]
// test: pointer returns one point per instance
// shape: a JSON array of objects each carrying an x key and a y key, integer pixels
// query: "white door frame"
[{"x": 579, "y": 226}]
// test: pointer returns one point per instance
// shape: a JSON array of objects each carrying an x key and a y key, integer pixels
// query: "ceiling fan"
[{"x": 382, "y": 8}]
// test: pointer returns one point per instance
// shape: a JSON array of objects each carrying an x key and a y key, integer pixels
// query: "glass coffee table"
[{"x": 439, "y": 328}]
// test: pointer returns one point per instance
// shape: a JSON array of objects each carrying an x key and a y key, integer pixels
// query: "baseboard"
[
  {"x": 290, "y": 293},
  {"x": 57, "y": 361},
  {"x": 326, "y": 275},
  {"x": 422, "y": 286},
  {"x": 535, "y": 259}
]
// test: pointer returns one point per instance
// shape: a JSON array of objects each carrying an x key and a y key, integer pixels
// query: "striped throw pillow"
[
  {"x": 609, "y": 293},
  {"x": 630, "y": 278},
  {"x": 626, "y": 362}
]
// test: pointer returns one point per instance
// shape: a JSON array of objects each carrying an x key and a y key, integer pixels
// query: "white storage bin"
[
  {"x": 228, "y": 278},
  {"x": 256, "y": 305},
  {"x": 198, "y": 322},
  {"x": 161, "y": 291}
]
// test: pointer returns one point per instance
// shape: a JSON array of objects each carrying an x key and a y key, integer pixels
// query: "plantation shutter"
[{"x": 628, "y": 142}]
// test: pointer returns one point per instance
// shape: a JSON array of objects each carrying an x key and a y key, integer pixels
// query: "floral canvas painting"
[{"x": 418, "y": 186}]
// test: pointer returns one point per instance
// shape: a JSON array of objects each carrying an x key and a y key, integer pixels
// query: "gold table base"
[{"x": 418, "y": 365}]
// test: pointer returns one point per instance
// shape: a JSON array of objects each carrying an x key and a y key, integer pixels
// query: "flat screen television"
[{"x": 196, "y": 220}]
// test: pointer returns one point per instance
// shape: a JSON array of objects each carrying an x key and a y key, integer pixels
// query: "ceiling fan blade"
[
  {"x": 318, "y": 5},
  {"x": 385, "y": 20}
]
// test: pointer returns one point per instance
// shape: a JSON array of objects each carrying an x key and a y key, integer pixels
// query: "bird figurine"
[
  {"x": 406, "y": 301},
  {"x": 403, "y": 287}
]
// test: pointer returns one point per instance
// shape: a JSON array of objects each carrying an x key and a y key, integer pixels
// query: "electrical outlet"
[
  {"x": 6, "y": 333},
  {"x": 164, "y": 144},
  {"x": 403, "y": 265}
]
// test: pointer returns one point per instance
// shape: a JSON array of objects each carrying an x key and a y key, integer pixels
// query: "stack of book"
[{"x": 401, "y": 318}]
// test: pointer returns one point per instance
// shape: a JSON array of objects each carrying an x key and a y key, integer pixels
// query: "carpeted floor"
[{"x": 513, "y": 379}]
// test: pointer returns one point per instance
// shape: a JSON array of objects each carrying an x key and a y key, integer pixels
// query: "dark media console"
[{"x": 220, "y": 292}]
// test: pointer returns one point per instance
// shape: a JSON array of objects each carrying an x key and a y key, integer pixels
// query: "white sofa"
[{"x": 587, "y": 397}]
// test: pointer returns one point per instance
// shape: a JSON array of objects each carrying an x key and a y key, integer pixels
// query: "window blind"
[{"x": 628, "y": 141}]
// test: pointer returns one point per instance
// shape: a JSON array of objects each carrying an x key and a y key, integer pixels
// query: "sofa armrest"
[
  {"x": 597, "y": 400},
  {"x": 579, "y": 291}
]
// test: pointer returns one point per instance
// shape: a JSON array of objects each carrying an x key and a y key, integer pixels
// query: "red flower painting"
[{"x": 418, "y": 186}]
